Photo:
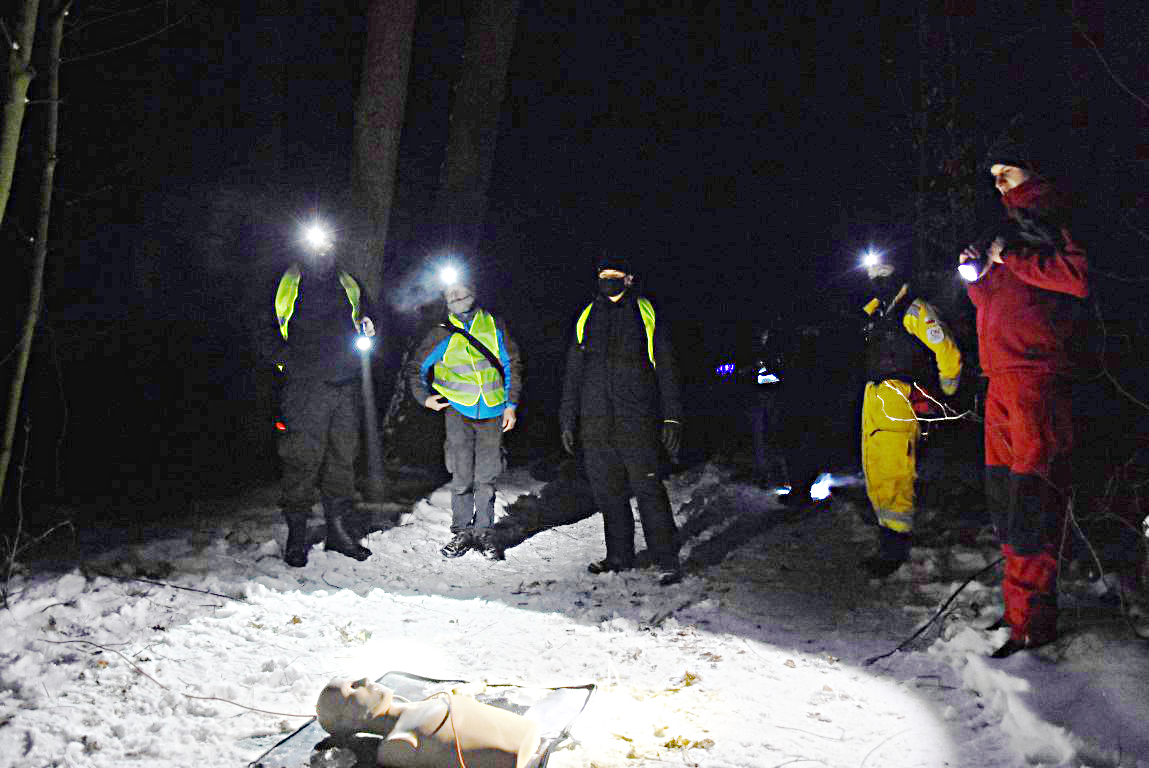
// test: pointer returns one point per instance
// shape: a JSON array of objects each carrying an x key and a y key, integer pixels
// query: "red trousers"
[{"x": 1028, "y": 437}]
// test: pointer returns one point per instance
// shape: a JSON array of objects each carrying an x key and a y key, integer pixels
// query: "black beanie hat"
[
  {"x": 613, "y": 261},
  {"x": 1034, "y": 143}
]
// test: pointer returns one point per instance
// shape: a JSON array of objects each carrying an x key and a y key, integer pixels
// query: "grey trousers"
[{"x": 474, "y": 457}]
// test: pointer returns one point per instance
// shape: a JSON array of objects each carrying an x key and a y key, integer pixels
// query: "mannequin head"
[{"x": 348, "y": 706}]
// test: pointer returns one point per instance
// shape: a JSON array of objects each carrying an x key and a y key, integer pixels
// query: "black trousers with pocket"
[{"x": 622, "y": 463}]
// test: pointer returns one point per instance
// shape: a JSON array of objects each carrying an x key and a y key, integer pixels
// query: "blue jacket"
[{"x": 431, "y": 351}]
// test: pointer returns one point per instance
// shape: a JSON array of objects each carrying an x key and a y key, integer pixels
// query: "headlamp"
[
  {"x": 448, "y": 276},
  {"x": 874, "y": 265},
  {"x": 317, "y": 237},
  {"x": 364, "y": 343}
]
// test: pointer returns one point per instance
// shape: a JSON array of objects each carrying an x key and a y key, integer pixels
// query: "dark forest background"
[{"x": 743, "y": 154}]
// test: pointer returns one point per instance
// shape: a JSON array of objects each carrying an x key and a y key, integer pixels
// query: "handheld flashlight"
[
  {"x": 971, "y": 269},
  {"x": 766, "y": 377}
]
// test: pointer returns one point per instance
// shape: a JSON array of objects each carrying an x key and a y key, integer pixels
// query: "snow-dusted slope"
[{"x": 756, "y": 659}]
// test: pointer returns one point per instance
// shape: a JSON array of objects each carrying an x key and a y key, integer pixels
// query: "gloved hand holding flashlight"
[
  {"x": 366, "y": 333},
  {"x": 974, "y": 262}
]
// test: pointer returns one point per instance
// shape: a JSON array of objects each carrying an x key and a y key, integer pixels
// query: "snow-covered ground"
[{"x": 152, "y": 655}]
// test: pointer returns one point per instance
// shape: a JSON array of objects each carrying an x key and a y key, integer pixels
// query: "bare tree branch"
[
  {"x": 110, "y": 16},
  {"x": 137, "y": 41},
  {"x": 1104, "y": 63}
]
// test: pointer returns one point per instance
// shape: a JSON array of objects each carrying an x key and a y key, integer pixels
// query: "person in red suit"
[{"x": 1026, "y": 283}]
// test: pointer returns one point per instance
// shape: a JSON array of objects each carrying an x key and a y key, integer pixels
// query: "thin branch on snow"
[
  {"x": 181, "y": 693},
  {"x": 933, "y": 618},
  {"x": 165, "y": 584}
]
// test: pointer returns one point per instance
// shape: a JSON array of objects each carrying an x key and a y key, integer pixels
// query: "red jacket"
[{"x": 1025, "y": 314}]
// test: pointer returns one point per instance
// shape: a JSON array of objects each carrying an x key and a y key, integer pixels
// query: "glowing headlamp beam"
[
  {"x": 448, "y": 276},
  {"x": 317, "y": 236},
  {"x": 871, "y": 258}
]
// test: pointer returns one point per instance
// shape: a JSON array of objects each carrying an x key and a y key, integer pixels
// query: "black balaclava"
[{"x": 611, "y": 286}]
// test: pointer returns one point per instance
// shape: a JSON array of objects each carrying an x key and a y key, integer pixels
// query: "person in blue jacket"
[{"x": 469, "y": 368}]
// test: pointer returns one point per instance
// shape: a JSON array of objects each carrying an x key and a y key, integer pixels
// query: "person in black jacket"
[
  {"x": 324, "y": 309},
  {"x": 620, "y": 393}
]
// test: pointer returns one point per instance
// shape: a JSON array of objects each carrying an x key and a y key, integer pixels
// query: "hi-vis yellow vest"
[
  {"x": 464, "y": 372},
  {"x": 288, "y": 292},
  {"x": 645, "y": 308}
]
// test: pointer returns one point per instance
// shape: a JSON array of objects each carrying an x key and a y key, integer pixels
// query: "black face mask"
[{"x": 611, "y": 286}]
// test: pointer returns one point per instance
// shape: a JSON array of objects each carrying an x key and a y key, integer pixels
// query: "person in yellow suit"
[{"x": 900, "y": 330}]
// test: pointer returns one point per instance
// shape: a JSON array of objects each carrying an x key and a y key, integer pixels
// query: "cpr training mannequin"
[{"x": 434, "y": 732}]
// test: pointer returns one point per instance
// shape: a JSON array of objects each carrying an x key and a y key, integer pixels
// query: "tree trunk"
[
  {"x": 474, "y": 122},
  {"x": 378, "y": 126},
  {"x": 20, "y": 74},
  {"x": 41, "y": 250},
  {"x": 267, "y": 91},
  {"x": 462, "y": 202},
  {"x": 923, "y": 125}
]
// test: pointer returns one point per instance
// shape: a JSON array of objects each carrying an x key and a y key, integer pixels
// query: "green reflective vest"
[
  {"x": 465, "y": 373},
  {"x": 645, "y": 308},
  {"x": 288, "y": 292}
]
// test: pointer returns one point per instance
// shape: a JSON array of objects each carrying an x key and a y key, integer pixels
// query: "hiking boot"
[
  {"x": 668, "y": 576},
  {"x": 458, "y": 545},
  {"x": 607, "y": 565},
  {"x": 487, "y": 545}
]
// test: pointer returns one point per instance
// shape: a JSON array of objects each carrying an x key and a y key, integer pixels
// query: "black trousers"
[
  {"x": 321, "y": 440},
  {"x": 622, "y": 463}
]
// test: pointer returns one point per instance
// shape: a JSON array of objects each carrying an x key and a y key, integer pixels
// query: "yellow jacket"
[{"x": 922, "y": 321}]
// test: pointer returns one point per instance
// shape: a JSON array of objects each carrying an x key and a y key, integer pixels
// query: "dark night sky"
[{"x": 742, "y": 152}]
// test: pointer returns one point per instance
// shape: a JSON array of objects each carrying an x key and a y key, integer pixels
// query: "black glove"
[
  {"x": 569, "y": 441},
  {"x": 671, "y": 438}
]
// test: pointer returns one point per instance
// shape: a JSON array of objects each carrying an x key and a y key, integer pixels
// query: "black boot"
[
  {"x": 608, "y": 566},
  {"x": 338, "y": 540},
  {"x": 893, "y": 550},
  {"x": 296, "y": 550},
  {"x": 669, "y": 571}
]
